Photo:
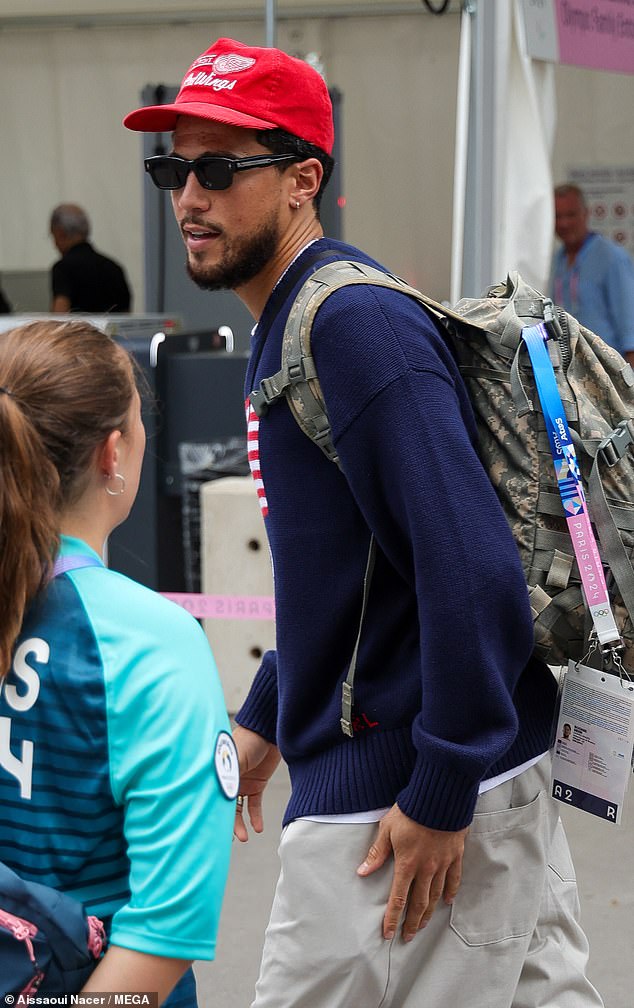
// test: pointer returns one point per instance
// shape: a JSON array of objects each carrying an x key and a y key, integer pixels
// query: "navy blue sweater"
[{"x": 446, "y": 691}]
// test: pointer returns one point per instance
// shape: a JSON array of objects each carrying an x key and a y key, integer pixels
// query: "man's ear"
[{"x": 307, "y": 176}]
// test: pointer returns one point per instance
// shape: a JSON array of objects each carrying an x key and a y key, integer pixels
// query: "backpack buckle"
[
  {"x": 259, "y": 402},
  {"x": 323, "y": 438},
  {"x": 616, "y": 444},
  {"x": 267, "y": 393},
  {"x": 270, "y": 390}
]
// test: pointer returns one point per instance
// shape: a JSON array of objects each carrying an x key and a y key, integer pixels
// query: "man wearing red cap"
[{"x": 423, "y": 861}]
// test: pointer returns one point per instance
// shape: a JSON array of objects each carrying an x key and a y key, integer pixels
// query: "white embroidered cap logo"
[{"x": 231, "y": 63}]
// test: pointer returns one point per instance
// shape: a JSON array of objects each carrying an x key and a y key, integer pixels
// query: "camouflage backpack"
[{"x": 597, "y": 391}]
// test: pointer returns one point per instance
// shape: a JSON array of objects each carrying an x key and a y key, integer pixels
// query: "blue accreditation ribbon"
[{"x": 570, "y": 486}]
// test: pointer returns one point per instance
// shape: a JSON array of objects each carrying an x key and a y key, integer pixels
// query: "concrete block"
[{"x": 235, "y": 563}]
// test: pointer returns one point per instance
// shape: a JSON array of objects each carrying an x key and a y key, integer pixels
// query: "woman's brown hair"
[{"x": 64, "y": 386}]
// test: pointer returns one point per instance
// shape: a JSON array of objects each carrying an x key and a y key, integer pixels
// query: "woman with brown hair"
[{"x": 116, "y": 776}]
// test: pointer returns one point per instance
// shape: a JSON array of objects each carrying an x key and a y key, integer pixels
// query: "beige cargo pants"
[{"x": 511, "y": 939}]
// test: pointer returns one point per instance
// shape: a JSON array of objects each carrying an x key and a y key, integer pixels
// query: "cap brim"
[{"x": 162, "y": 118}]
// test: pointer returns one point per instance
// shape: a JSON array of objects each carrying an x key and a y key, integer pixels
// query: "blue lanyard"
[
  {"x": 69, "y": 563},
  {"x": 570, "y": 486}
]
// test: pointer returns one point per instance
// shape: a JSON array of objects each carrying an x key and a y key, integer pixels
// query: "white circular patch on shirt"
[{"x": 227, "y": 766}]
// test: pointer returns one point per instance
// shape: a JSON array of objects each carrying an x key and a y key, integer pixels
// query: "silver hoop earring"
[
  {"x": 117, "y": 493},
  {"x": 297, "y": 204}
]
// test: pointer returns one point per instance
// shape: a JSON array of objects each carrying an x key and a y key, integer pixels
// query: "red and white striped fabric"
[{"x": 253, "y": 448}]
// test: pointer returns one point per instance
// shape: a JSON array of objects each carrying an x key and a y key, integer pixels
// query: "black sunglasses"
[{"x": 169, "y": 171}]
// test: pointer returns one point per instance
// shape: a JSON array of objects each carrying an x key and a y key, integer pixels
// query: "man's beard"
[{"x": 244, "y": 259}]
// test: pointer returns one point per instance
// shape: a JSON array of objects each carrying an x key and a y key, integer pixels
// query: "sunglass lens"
[
  {"x": 168, "y": 173},
  {"x": 214, "y": 173}
]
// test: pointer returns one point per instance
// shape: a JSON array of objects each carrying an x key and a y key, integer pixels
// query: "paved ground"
[{"x": 603, "y": 856}]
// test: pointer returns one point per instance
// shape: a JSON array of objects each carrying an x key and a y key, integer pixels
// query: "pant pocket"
[
  {"x": 503, "y": 874},
  {"x": 560, "y": 860}
]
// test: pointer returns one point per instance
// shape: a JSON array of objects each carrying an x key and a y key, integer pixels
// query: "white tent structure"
[{"x": 505, "y": 122}]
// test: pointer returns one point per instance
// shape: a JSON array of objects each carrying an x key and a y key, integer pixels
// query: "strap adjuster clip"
[
  {"x": 266, "y": 395},
  {"x": 616, "y": 444},
  {"x": 346, "y": 727},
  {"x": 347, "y": 700},
  {"x": 301, "y": 369}
]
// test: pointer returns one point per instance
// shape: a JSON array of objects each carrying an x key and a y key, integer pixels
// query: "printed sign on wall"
[{"x": 598, "y": 34}]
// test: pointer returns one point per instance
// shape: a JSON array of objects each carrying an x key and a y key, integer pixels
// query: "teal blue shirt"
[{"x": 108, "y": 727}]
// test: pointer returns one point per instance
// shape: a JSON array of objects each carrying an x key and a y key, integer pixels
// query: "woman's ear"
[{"x": 108, "y": 455}]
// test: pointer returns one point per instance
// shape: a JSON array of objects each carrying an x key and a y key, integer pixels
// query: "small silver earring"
[
  {"x": 117, "y": 493},
  {"x": 297, "y": 204}
]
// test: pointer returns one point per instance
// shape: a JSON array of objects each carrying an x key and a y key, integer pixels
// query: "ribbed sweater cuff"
[
  {"x": 259, "y": 710},
  {"x": 438, "y": 798}
]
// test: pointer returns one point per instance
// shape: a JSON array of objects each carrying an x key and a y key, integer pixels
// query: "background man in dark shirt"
[
  {"x": 5, "y": 307},
  {"x": 83, "y": 280}
]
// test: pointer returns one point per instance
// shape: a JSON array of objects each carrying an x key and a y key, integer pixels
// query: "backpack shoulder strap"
[
  {"x": 297, "y": 381},
  {"x": 297, "y": 378}
]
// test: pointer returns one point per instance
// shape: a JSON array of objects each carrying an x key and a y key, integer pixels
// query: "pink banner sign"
[
  {"x": 226, "y": 607},
  {"x": 598, "y": 34}
]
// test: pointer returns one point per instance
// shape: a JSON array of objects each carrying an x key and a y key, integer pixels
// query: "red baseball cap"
[{"x": 247, "y": 86}]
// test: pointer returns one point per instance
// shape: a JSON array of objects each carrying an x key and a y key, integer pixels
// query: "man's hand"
[
  {"x": 258, "y": 760},
  {"x": 427, "y": 865}
]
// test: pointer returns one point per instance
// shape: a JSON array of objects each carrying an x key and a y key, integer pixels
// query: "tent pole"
[{"x": 270, "y": 19}]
